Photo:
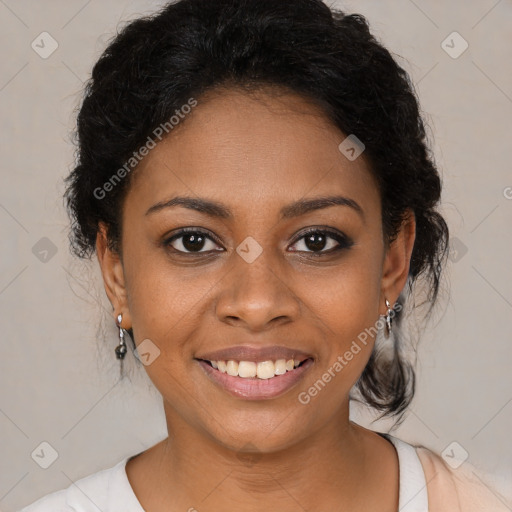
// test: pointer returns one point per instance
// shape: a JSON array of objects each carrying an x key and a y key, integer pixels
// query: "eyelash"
[{"x": 343, "y": 241}]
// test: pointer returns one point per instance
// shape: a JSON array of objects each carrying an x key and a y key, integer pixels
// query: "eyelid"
[{"x": 323, "y": 229}]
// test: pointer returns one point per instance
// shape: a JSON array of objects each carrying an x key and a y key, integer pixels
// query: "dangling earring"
[
  {"x": 121, "y": 348},
  {"x": 389, "y": 318}
]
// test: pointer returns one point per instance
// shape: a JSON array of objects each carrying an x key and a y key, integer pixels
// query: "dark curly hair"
[{"x": 155, "y": 64}]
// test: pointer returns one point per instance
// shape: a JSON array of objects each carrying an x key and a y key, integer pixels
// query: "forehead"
[{"x": 254, "y": 148}]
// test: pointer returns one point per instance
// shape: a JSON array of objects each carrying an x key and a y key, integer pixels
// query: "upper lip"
[{"x": 256, "y": 354}]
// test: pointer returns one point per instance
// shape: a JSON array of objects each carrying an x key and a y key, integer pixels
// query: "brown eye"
[
  {"x": 322, "y": 241},
  {"x": 191, "y": 241}
]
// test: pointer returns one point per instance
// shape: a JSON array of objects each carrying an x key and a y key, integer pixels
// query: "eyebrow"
[{"x": 216, "y": 209}]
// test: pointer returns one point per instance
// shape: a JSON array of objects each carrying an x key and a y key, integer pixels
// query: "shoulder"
[
  {"x": 464, "y": 489},
  {"x": 88, "y": 494}
]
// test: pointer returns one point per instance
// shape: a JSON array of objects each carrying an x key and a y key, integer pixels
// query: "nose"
[{"x": 256, "y": 295}]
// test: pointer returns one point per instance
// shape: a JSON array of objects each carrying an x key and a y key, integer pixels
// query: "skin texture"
[{"x": 256, "y": 153}]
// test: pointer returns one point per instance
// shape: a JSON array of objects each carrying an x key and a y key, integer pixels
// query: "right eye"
[{"x": 190, "y": 241}]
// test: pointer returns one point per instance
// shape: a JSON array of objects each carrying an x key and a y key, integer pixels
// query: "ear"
[
  {"x": 113, "y": 276},
  {"x": 397, "y": 261}
]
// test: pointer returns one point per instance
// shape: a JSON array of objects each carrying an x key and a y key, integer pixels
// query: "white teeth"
[
  {"x": 232, "y": 368},
  {"x": 250, "y": 369},
  {"x": 280, "y": 367},
  {"x": 265, "y": 370},
  {"x": 247, "y": 369}
]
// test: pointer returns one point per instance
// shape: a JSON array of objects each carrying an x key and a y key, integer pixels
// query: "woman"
[{"x": 255, "y": 181}]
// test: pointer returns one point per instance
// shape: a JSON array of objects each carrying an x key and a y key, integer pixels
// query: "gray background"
[{"x": 58, "y": 375}]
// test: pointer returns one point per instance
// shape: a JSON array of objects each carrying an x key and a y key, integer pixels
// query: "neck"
[{"x": 313, "y": 473}]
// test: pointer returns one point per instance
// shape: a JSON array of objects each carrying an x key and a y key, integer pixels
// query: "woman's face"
[{"x": 252, "y": 278}]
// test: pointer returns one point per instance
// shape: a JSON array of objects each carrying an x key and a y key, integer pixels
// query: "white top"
[{"x": 109, "y": 490}]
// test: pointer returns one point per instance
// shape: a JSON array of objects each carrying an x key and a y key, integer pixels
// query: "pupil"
[
  {"x": 196, "y": 244},
  {"x": 315, "y": 241}
]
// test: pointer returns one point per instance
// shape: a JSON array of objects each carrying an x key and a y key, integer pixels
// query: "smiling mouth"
[
  {"x": 256, "y": 380},
  {"x": 256, "y": 370}
]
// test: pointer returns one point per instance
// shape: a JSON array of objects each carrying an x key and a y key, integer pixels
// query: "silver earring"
[
  {"x": 121, "y": 348},
  {"x": 389, "y": 318}
]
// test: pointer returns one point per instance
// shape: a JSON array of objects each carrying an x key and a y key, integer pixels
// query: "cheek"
[
  {"x": 163, "y": 301},
  {"x": 348, "y": 306},
  {"x": 349, "y": 295}
]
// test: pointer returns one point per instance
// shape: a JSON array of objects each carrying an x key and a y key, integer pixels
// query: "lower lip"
[{"x": 255, "y": 388}]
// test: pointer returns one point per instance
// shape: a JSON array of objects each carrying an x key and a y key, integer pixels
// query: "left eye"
[{"x": 316, "y": 241}]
